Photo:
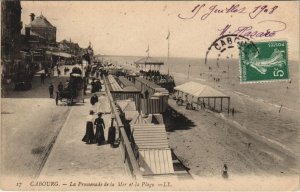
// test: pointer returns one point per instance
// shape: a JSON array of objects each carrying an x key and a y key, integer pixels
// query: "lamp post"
[{"x": 189, "y": 71}]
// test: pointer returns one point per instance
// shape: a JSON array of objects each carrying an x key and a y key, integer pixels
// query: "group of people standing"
[
  {"x": 95, "y": 127},
  {"x": 96, "y": 85},
  {"x": 90, "y": 136},
  {"x": 60, "y": 88},
  {"x": 98, "y": 123}
]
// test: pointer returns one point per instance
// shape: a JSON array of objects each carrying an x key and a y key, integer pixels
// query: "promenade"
[
  {"x": 45, "y": 141},
  {"x": 74, "y": 158}
]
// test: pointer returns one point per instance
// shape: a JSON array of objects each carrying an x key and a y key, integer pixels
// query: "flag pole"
[{"x": 168, "y": 51}]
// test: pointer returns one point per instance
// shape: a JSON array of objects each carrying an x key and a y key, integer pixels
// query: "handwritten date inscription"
[{"x": 204, "y": 13}]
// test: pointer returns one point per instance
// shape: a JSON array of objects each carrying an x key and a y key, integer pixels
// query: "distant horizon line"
[
  {"x": 109, "y": 55},
  {"x": 99, "y": 55}
]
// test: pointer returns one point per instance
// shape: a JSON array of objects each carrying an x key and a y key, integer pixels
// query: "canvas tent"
[{"x": 202, "y": 93}]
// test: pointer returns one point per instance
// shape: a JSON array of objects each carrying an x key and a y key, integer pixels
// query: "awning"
[
  {"x": 199, "y": 90},
  {"x": 59, "y": 54}
]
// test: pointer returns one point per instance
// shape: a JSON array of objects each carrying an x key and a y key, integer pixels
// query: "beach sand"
[{"x": 204, "y": 143}]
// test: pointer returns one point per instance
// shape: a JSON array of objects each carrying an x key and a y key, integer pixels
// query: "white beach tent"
[{"x": 203, "y": 92}]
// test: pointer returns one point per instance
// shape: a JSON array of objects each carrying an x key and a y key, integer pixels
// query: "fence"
[{"x": 125, "y": 144}]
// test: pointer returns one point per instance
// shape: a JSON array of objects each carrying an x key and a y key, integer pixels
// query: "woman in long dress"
[
  {"x": 89, "y": 132},
  {"x": 100, "y": 126}
]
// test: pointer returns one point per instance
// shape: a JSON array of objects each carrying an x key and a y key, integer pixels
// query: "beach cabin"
[
  {"x": 149, "y": 139},
  {"x": 122, "y": 89},
  {"x": 143, "y": 140},
  {"x": 155, "y": 98}
]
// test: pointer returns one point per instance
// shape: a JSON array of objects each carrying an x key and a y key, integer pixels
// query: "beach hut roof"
[
  {"x": 148, "y": 61},
  {"x": 126, "y": 105},
  {"x": 139, "y": 119},
  {"x": 113, "y": 84},
  {"x": 127, "y": 85},
  {"x": 150, "y": 136},
  {"x": 153, "y": 148},
  {"x": 125, "y": 81},
  {"x": 199, "y": 90},
  {"x": 154, "y": 86}
]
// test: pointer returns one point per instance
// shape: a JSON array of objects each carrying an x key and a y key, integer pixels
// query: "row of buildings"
[{"x": 26, "y": 49}]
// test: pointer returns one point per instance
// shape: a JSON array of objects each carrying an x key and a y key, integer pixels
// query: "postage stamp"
[{"x": 264, "y": 62}]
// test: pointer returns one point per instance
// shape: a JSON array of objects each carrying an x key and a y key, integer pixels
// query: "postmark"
[
  {"x": 227, "y": 42},
  {"x": 264, "y": 62}
]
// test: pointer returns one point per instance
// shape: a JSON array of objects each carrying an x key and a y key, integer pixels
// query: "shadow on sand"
[{"x": 177, "y": 121}]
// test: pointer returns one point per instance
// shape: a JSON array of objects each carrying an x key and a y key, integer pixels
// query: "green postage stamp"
[{"x": 264, "y": 61}]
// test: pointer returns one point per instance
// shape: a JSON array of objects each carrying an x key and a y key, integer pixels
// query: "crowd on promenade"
[
  {"x": 156, "y": 76},
  {"x": 94, "y": 133}
]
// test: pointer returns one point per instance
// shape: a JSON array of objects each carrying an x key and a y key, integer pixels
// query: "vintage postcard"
[{"x": 149, "y": 95}]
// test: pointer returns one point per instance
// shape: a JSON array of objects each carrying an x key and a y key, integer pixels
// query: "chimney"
[{"x": 32, "y": 15}]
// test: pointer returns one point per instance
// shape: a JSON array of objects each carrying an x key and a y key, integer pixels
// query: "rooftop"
[
  {"x": 148, "y": 61},
  {"x": 40, "y": 21},
  {"x": 199, "y": 90}
]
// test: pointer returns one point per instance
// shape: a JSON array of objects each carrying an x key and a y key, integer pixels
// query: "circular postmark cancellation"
[
  {"x": 258, "y": 61},
  {"x": 227, "y": 42},
  {"x": 225, "y": 47}
]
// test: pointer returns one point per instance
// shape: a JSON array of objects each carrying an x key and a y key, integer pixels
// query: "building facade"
[
  {"x": 41, "y": 27},
  {"x": 11, "y": 26},
  {"x": 38, "y": 37}
]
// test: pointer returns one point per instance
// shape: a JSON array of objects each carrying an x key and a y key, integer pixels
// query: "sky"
[{"x": 127, "y": 28}]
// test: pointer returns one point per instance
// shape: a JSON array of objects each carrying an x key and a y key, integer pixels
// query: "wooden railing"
[{"x": 125, "y": 144}]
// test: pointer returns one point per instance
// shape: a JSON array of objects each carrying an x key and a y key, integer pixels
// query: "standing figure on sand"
[{"x": 100, "y": 126}]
